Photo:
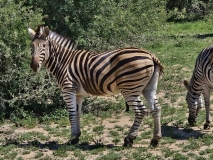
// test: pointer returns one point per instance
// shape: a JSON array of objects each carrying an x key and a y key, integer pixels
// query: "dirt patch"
[{"x": 174, "y": 139}]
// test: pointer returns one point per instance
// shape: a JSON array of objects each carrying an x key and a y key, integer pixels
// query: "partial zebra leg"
[
  {"x": 70, "y": 99},
  {"x": 195, "y": 109},
  {"x": 199, "y": 107},
  {"x": 200, "y": 104},
  {"x": 127, "y": 107},
  {"x": 135, "y": 103},
  {"x": 79, "y": 100},
  {"x": 206, "y": 95},
  {"x": 149, "y": 93}
]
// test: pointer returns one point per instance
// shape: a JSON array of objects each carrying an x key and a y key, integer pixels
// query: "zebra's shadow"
[
  {"x": 54, "y": 145},
  {"x": 202, "y": 36},
  {"x": 180, "y": 133},
  {"x": 83, "y": 146}
]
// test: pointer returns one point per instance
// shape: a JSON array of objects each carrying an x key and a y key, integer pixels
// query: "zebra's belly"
[{"x": 84, "y": 92}]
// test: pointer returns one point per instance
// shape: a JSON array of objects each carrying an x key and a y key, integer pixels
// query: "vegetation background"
[{"x": 176, "y": 31}]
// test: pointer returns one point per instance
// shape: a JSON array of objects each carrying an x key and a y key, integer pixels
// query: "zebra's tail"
[{"x": 157, "y": 62}]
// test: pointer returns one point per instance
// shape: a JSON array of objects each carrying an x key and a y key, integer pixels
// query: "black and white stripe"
[{"x": 200, "y": 84}]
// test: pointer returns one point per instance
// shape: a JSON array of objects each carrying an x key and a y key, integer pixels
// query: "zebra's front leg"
[
  {"x": 207, "y": 107},
  {"x": 70, "y": 99},
  {"x": 140, "y": 110}
]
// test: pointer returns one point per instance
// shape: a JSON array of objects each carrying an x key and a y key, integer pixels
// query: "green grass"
[
  {"x": 98, "y": 129},
  {"x": 177, "y": 46},
  {"x": 110, "y": 156},
  {"x": 25, "y": 152},
  {"x": 38, "y": 155},
  {"x": 32, "y": 135}
]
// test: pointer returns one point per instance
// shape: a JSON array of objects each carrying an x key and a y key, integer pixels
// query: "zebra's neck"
[
  {"x": 60, "y": 50},
  {"x": 61, "y": 41},
  {"x": 195, "y": 84}
]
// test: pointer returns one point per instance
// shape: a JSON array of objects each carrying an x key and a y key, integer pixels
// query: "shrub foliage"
[
  {"x": 20, "y": 90},
  {"x": 188, "y": 10},
  {"x": 95, "y": 24}
]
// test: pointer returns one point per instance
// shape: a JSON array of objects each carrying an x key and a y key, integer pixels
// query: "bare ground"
[{"x": 10, "y": 135}]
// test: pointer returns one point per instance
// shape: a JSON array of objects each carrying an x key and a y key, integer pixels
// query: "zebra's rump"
[
  {"x": 203, "y": 70},
  {"x": 107, "y": 73}
]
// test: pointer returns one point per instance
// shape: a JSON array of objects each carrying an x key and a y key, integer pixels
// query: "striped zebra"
[
  {"x": 129, "y": 71},
  {"x": 200, "y": 85}
]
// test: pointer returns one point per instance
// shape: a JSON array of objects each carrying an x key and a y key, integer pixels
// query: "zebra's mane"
[{"x": 57, "y": 38}]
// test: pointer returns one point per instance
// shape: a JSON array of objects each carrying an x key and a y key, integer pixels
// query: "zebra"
[
  {"x": 129, "y": 71},
  {"x": 199, "y": 86}
]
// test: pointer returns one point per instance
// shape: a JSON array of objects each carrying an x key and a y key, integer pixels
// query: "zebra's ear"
[
  {"x": 186, "y": 84},
  {"x": 31, "y": 33},
  {"x": 46, "y": 31}
]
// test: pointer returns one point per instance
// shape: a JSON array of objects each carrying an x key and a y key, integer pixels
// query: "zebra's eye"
[{"x": 44, "y": 45}]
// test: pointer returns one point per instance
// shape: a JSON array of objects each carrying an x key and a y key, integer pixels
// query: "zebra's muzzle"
[
  {"x": 193, "y": 112},
  {"x": 34, "y": 68},
  {"x": 34, "y": 65}
]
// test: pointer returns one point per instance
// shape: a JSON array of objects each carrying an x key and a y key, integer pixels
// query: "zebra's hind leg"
[
  {"x": 149, "y": 93},
  {"x": 155, "y": 111},
  {"x": 156, "y": 114},
  {"x": 140, "y": 111},
  {"x": 79, "y": 100}
]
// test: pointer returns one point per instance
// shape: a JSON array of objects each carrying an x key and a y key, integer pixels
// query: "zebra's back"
[
  {"x": 203, "y": 70},
  {"x": 107, "y": 73}
]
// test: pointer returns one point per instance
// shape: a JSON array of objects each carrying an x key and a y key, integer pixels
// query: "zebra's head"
[
  {"x": 39, "y": 46},
  {"x": 195, "y": 103}
]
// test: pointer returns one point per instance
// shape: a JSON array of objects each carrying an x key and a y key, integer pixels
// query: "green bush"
[
  {"x": 123, "y": 23},
  {"x": 101, "y": 24},
  {"x": 19, "y": 88},
  {"x": 96, "y": 25},
  {"x": 188, "y": 10}
]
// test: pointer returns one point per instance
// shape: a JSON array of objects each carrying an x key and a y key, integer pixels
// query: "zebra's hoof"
[
  {"x": 128, "y": 142},
  {"x": 206, "y": 126},
  {"x": 74, "y": 141},
  {"x": 79, "y": 134},
  {"x": 192, "y": 122},
  {"x": 154, "y": 142}
]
